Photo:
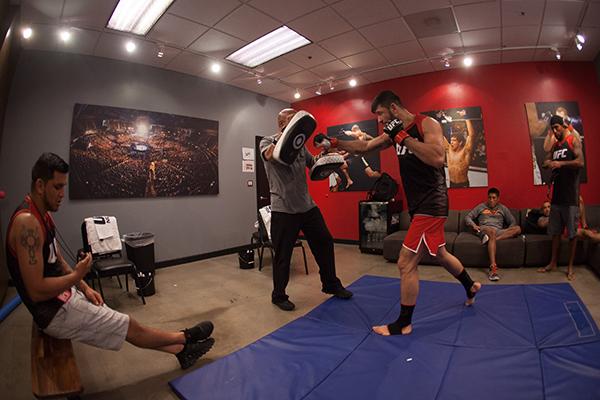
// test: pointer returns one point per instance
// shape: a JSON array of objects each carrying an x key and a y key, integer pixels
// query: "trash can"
[{"x": 140, "y": 250}]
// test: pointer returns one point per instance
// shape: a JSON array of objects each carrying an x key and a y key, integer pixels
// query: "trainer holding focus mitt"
[{"x": 293, "y": 209}]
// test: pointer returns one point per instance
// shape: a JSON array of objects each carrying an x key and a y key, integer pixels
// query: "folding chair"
[
  {"x": 263, "y": 240},
  {"x": 111, "y": 262}
]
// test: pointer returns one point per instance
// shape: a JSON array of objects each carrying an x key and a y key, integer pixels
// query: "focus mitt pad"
[
  {"x": 295, "y": 134},
  {"x": 325, "y": 166}
]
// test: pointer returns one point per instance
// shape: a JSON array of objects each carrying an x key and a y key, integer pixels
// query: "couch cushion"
[
  {"x": 468, "y": 249},
  {"x": 538, "y": 250},
  {"x": 594, "y": 257}
]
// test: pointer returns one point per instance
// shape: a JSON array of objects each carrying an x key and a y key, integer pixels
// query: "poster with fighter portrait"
[
  {"x": 464, "y": 141},
  {"x": 122, "y": 153},
  {"x": 542, "y": 138},
  {"x": 359, "y": 172}
]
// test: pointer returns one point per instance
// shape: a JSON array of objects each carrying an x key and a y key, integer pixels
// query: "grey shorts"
[
  {"x": 562, "y": 217},
  {"x": 82, "y": 321}
]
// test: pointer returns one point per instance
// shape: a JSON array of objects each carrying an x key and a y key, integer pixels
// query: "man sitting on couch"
[
  {"x": 536, "y": 220},
  {"x": 492, "y": 221}
]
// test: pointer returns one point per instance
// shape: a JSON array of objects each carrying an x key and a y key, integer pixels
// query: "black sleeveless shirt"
[
  {"x": 565, "y": 180},
  {"x": 42, "y": 311},
  {"x": 424, "y": 185}
]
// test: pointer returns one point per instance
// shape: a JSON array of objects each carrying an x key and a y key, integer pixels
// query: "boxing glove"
[
  {"x": 324, "y": 142},
  {"x": 395, "y": 130}
]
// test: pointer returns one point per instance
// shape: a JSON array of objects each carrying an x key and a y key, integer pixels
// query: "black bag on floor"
[
  {"x": 385, "y": 188},
  {"x": 246, "y": 259}
]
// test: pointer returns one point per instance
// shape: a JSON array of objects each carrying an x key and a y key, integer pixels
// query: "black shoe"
[
  {"x": 285, "y": 305},
  {"x": 340, "y": 293},
  {"x": 192, "y": 352},
  {"x": 199, "y": 332}
]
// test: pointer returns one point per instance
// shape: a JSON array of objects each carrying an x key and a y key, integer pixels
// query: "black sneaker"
[
  {"x": 193, "y": 351},
  {"x": 285, "y": 305},
  {"x": 340, "y": 293},
  {"x": 199, "y": 332}
]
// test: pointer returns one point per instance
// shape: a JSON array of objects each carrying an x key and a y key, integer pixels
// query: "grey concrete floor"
[{"x": 237, "y": 301}]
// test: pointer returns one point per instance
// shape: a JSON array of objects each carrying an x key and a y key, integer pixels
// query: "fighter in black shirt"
[{"x": 419, "y": 145}]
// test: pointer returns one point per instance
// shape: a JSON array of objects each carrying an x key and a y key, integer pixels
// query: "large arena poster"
[
  {"x": 121, "y": 152},
  {"x": 361, "y": 171},
  {"x": 542, "y": 137},
  {"x": 464, "y": 140}
]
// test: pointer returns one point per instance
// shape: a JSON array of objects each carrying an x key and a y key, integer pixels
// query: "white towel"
[
  {"x": 103, "y": 234},
  {"x": 265, "y": 214}
]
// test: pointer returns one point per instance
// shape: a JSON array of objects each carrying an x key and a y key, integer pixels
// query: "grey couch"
[{"x": 529, "y": 250}]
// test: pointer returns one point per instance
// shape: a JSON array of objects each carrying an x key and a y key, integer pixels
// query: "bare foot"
[
  {"x": 384, "y": 331},
  {"x": 571, "y": 275},
  {"x": 350, "y": 182},
  {"x": 474, "y": 289},
  {"x": 547, "y": 268}
]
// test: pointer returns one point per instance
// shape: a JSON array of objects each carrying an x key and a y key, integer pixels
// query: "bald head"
[{"x": 284, "y": 117}]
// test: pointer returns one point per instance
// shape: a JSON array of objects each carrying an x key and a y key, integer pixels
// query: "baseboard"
[
  {"x": 198, "y": 257},
  {"x": 231, "y": 250}
]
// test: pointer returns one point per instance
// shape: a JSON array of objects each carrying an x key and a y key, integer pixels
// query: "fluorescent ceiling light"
[
  {"x": 272, "y": 45},
  {"x": 137, "y": 16}
]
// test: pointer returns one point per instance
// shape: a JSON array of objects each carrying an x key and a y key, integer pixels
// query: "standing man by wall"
[{"x": 566, "y": 160}]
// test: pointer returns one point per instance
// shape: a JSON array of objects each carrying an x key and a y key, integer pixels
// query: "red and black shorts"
[{"x": 425, "y": 229}]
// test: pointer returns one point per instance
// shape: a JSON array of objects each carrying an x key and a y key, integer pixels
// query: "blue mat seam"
[
  {"x": 336, "y": 367},
  {"x": 536, "y": 342},
  {"x": 454, "y": 346}
]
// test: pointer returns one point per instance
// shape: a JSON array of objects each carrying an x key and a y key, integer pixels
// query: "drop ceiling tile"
[
  {"x": 591, "y": 48},
  {"x": 442, "y": 45},
  {"x": 402, "y": 52},
  {"x": 562, "y": 12},
  {"x": 331, "y": 70},
  {"x": 366, "y": 60},
  {"x": 515, "y": 36},
  {"x": 216, "y": 44},
  {"x": 557, "y": 36},
  {"x": 383, "y": 74},
  {"x": 206, "y": 12},
  {"x": 519, "y": 12},
  {"x": 176, "y": 31},
  {"x": 510, "y": 56},
  {"x": 432, "y": 23},
  {"x": 111, "y": 45},
  {"x": 416, "y": 68},
  {"x": 362, "y": 13},
  {"x": 592, "y": 15},
  {"x": 188, "y": 63},
  {"x": 267, "y": 86},
  {"x": 44, "y": 37},
  {"x": 41, "y": 11},
  {"x": 407, "y": 7},
  {"x": 387, "y": 32},
  {"x": 478, "y": 16},
  {"x": 489, "y": 57},
  {"x": 482, "y": 39},
  {"x": 83, "y": 41},
  {"x": 279, "y": 67},
  {"x": 320, "y": 24},
  {"x": 247, "y": 23},
  {"x": 287, "y": 10},
  {"x": 303, "y": 78},
  {"x": 88, "y": 13},
  {"x": 544, "y": 55},
  {"x": 288, "y": 95},
  {"x": 226, "y": 74},
  {"x": 461, "y": 2},
  {"x": 309, "y": 56},
  {"x": 346, "y": 44}
]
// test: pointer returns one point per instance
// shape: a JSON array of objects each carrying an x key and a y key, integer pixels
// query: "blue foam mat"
[{"x": 516, "y": 342}]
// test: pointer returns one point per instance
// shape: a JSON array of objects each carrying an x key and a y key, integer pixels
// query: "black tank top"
[
  {"x": 424, "y": 185},
  {"x": 42, "y": 311},
  {"x": 565, "y": 180}
]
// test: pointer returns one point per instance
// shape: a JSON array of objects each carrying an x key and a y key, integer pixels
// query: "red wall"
[{"x": 500, "y": 91}]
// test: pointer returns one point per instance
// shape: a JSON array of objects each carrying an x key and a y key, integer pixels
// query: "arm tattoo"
[{"x": 30, "y": 239}]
